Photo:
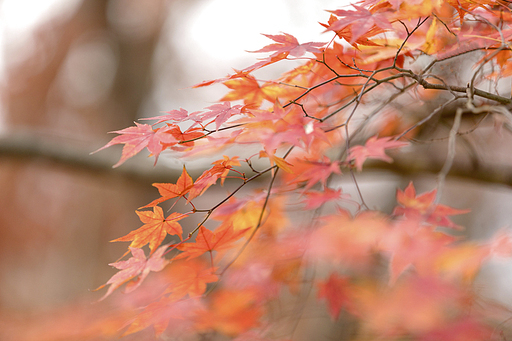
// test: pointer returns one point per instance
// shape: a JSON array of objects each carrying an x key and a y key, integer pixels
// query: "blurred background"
[{"x": 71, "y": 71}]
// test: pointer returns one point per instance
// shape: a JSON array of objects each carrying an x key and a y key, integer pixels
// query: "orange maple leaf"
[
  {"x": 190, "y": 277},
  {"x": 207, "y": 241},
  {"x": 231, "y": 312},
  {"x": 209, "y": 177},
  {"x": 186, "y": 138},
  {"x": 169, "y": 191},
  {"x": 155, "y": 228},
  {"x": 315, "y": 171},
  {"x": 249, "y": 90}
]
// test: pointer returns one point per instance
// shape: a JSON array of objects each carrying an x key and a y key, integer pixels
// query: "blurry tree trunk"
[{"x": 82, "y": 77}]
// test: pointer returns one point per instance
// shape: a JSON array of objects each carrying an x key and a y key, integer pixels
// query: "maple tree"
[{"x": 404, "y": 274}]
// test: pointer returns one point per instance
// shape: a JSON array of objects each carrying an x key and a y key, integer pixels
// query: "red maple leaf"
[
  {"x": 335, "y": 292},
  {"x": 374, "y": 148},
  {"x": 207, "y": 241},
  {"x": 139, "y": 137},
  {"x": 423, "y": 206},
  {"x": 168, "y": 191},
  {"x": 290, "y": 45},
  {"x": 186, "y": 138},
  {"x": 137, "y": 267},
  {"x": 155, "y": 228}
]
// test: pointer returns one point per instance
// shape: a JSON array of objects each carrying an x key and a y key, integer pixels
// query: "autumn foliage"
[{"x": 286, "y": 232}]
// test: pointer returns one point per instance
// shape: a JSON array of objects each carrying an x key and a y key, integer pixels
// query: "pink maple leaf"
[
  {"x": 139, "y": 137},
  {"x": 315, "y": 199},
  {"x": 289, "y": 44},
  {"x": 177, "y": 116},
  {"x": 221, "y": 113},
  {"x": 137, "y": 267},
  {"x": 374, "y": 148},
  {"x": 362, "y": 20}
]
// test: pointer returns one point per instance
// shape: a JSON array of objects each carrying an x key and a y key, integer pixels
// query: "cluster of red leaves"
[{"x": 227, "y": 279}]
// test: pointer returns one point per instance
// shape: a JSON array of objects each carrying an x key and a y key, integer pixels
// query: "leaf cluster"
[{"x": 300, "y": 233}]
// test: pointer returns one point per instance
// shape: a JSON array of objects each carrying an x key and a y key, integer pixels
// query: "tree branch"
[{"x": 25, "y": 145}]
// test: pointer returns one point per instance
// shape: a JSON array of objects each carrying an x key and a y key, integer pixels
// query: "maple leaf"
[
  {"x": 316, "y": 171},
  {"x": 374, "y": 148},
  {"x": 186, "y": 138},
  {"x": 242, "y": 213},
  {"x": 423, "y": 206},
  {"x": 177, "y": 116},
  {"x": 460, "y": 262},
  {"x": 221, "y": 113},
  {"x": 249, "y": 90},
  {"x": 137, "y": 267},
  {"x": 139, "y": 137},
  {"x": 315, "y": 199},
  {"x": 335, "y": 290},
  {"x": 408, "y": 243},
  {"x": 209, "y": 177},
  {"x": 349, "y": 241},
  {"x": 361, "y": 21},
  {"x": 286, "y": 43},
  {"x": 155, "y": 228},
  {"x": 190, "y": 278},
  {"x": 207, "y": 241},
  {"x": 346, "y": 33},
  {"x": 231, "y": 312},
  {"x": 169, "y": 191},
  {"x": 165, "y": 314},
  {"x": 277, "y": 126},
  {"x": 237, "y": 74},
  {"x": 414, "y": 306},
  {"x": 212, "y": 144},
  {"x": 278, "y": 161},
  {"x": 274, "y": 58}
]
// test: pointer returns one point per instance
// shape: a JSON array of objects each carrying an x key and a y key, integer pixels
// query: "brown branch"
[
  {"x": 407, "y": 167},
  {"x": 478, "y": 92},
  {"x": 30, "y": 146},
  {"x": 140, "y": 169}
]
